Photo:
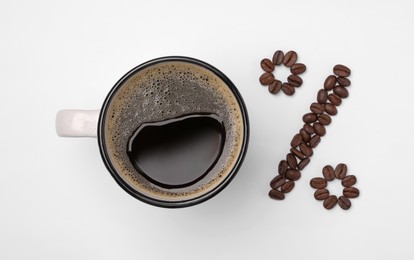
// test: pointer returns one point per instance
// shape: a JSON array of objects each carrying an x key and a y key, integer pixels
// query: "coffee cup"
[{"x": 173, "y": 131}]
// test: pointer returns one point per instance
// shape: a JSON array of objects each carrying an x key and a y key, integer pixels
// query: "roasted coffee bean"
[
  {"x": 341, "y": 171},
  {"x": 330, "y": 202},
  {"x": 276, "y": 195},
  {"x": 288, "y": 89},
  {"x": 303, "y": 164},
  {"x": 290, "y": 58},
  {"x": 330, "y": 82},
  {"x": 297, "y": 153},
  {"x": 309, "y": 118},
  {"x": 350, "y": 192},
  {"x": 322, "y": 96},
  {"x": 349, "y": 181},
  {"x": 267, "y": 65},
  {"x": 309, "y": 129},
  {"x": 283, "y": 166},
  {"x": 278, "y": 57},
  {"x": 266, "y": 78},
  {"x": 291, "y": 160},
  {"x": 322, "y": 194},
  {"x": 314, "y": 141},
  {"x": 328, "y": 173},
  {"x": 277, "y": 182},
  {"x": 275, "y": 86},
  {"x": 296, "y": 140},
  {"x": 305, "y": 136},
  {"x": 295, "y": 80},
  {"x": 330, "y": 109},
  {"x": 334, "y": 99},
  {"x": 293, "y": 174},
  {"x": 341, "y": 91},
  {"x": 306, "y": 150},
  {"x": 344, "y": 82},
  {"x": 341, "y": 71},
  {"x": 317, "y": 108},
  {"x": 344, "y": 202},
  {"x": 318, "y": 183},
  {"x": 319, "y": 129},
  {"x": 287, "y": 186},
  {"x": 298, "y": 68},
  {"x": 324, "y": 119}
]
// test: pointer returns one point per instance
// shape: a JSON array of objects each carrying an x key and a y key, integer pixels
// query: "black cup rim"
[{"x": 172, "y": 204}]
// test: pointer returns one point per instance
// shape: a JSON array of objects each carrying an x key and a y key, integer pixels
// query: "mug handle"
[{"x": 77, "y": 123}]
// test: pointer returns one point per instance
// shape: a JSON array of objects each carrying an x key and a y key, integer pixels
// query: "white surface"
[
  {"x": 57, "y": 200},
  {"x": 77, "y": 123}
]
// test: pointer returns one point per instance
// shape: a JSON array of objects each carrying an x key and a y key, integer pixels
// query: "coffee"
[{"x": 173, "y": 130}]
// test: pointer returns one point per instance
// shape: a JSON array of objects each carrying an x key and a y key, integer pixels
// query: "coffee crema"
[{"x": 173, "y": 95}]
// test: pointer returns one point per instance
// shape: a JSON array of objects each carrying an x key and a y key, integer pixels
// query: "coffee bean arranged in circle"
[
  {"x": 296, "y": 140},
  {"x": 344, "y": 202},
  {"x": 318, "y": 183},
  {"x": 344, "y": 82},
  {"x": 275, "y": 86},
  {"x": 309, "y": 129},
  {"x": 321, "y": 194},
  {"x": 287, "y": 186},
  {"x": 293, "y": 174},
  {"x": 277, "y": 182},
  {"x": 341, "y": 171},
  {"x": 351, "y": 192},
  {"x": 290, "y": 58},
  {"x": 298, "y": 68},
  {"x": 349, "y": 181},
  {"x": 334, "y": 99},
  {"x": 303, "y": 163},
  {"x": 283, "y": 166},
  {"x": 288, "y": 89},
  {"x": 319, "y": 129},
  {"x": 304, "y": 135},
  {"x": 341, "y": 91},
  {"x": 297, "y": 153},
  {"x": 317, "y": 108},
  {"x": 266, "y": 78},
  {"x": 278, "y": 57},
  {"x": 276, "y": 194},
  {"x": 330, "y": 109},
  {"x": 295, "y": 80},
  {"x": 322, "y": 96},
  {"x": 306, "y": 150},
  {"x": 341, "y": 71},
  {"x": 291, "y": 160},
  {"x": 330, "y": 202},
  {"x": 324, "y": 119},
  {"x": 329, "y": 83},
  {"x": 314, "y": 141},
  {"x": 267, "y": 65},
  {"x": 309, "y": 118},
  {"x": 328, "y": 173}
]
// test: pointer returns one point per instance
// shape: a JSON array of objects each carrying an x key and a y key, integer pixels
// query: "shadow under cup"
[{"x": 173, "y": 119}]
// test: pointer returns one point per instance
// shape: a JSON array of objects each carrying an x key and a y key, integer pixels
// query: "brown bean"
[
  {"x": 341, "y": 71},
  {"x": 314, "y": 141},
  {"x": 322, "y": 194},
  {"x": 306, "y": 150},
  {"x": 290, "y": 58},
  {"x": 330, "y": 202},
  {"x": 282, "y": 168},
  {"x": 296, "y": 140},
  {"x": 317, "y": 108},
  {"x": 305, "y": 136},
  {"x": 293, "y": 174},
  {"x": 349, "y": 181},
  {"x": 288, "y": 89},
  {"x": 277, "y": 182},
  {"x": 291, "y": 160},
  {"x": 275, "y": 86},
  {"x": 298, "y": 68},
  {"x": 344, "y": 202},
  {"x": 287, "y": 186},
  {"x": 278, "y": 57},
  {"x": 330, "y": 109},
  {"x": 276, "y": 195},
  {"x": 324, "y": 119},
  {"x": 322, "y": 96},
  {"x": 319, "y": 129},
  {"x": 318, "y": 183},
  {"x": 341, "y": 171},
  {"x": 335, "y": 99},
  {"x": 344, "y": 82},
  {"x": 303, "y": 163},
  {"x": 341, "y": 91},
  {"x": 295, "y": 80},
  {"x": 267, "y": 65},
  {"x": 297, "y": 153},
  {"x": 309, "y": 118},
  {"x": 266, "y": 78},
  {"x": 309, "y": 129},
  {"x": 330, "y": 82},
  {"x": 328, "y": 173},
  {"x": 350, "y": 192}
]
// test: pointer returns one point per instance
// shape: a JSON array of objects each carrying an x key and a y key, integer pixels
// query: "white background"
[{"x": 57, "y": 200}]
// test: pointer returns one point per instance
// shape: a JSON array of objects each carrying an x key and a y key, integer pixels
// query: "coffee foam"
[{"x": 163, "y": 91}]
